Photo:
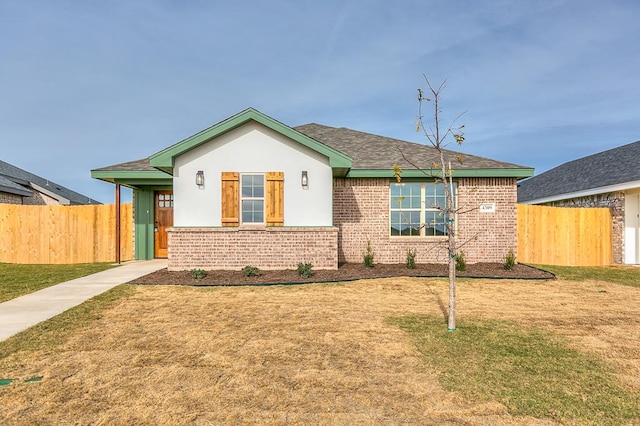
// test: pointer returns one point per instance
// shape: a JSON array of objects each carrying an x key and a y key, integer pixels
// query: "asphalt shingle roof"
[
  {"x": 23, "y": 180},
  {"x": 368, "y": 151},
  {"x": 131, "y": 166},
  {"x": 612, "y": 167}
]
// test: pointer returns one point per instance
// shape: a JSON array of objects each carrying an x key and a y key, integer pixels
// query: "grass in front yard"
[
  {"x": 20, "y": 279},
  {"x": 326, "y": 354},
  {"x": 625, "y": 275},
  {"x": 531, "y": 371},
  {"x": 47, "y": 335}
]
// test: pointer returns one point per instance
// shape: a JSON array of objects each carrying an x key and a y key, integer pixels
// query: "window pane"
[
  {"x": 252, "y": 186},
  {"x": 435, "y": 197},
  {"x": 405, "y": 195},
  {"x": 253, "y": 211},
  {"x": 405, "y": 223},
  {"x": 436, "y": 223}
]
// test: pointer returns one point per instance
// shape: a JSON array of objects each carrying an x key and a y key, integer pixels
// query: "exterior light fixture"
[
  {"x": 305, "y": 180},
  {"x": 200, "y": 178}
]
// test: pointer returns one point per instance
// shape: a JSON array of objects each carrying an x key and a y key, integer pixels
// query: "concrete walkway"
[{"x": 25, "y": 311}]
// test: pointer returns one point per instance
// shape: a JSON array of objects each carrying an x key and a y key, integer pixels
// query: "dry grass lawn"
[{"x": 311, "y": 354}]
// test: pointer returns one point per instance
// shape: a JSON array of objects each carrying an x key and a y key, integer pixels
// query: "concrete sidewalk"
[{"x": 25, "y": 311}]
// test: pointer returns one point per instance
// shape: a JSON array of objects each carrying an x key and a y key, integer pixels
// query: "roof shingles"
[
  {"x": 23, "y": 180},
  {"x": 612, "y": 167},
  {"x": 370, "y": 151}
]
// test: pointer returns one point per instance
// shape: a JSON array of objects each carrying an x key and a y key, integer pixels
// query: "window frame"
[
  {"x": 424, "y": 210},
  {"x": 243, "y": 198}
]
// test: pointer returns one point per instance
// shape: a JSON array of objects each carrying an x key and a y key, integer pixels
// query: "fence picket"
[
  {"x": 566, "y": 236},
  {"x": 63, "y": 234}
]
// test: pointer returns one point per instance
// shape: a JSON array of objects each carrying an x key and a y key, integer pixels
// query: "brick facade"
[
  {"x": 7, "y": 198},
  {"x": 37, "y": 199},
  {"x": 361, "y": 212},
  {"x": 615, "y": 202},
  {"x": 264, "y": 247}
]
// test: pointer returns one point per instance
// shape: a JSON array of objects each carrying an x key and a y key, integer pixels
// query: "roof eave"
[
  {"x": 133, "y": 178},
  {"x": 520, "y": 173},
  {"x": 16, "y": 191},
  {"x": 585, "y": 193}
]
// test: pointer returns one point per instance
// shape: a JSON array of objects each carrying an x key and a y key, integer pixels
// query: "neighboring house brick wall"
[
  {"x": 265, "y": 248},
  {"x": 613, "y": 201},
  {"x": 7, "y": 198},
  {"x": 361, "y": 212},
  {"x": 39, "y": 199}
]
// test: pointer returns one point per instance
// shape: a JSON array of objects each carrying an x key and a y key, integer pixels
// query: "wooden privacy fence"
[
  {"x": 565, "y": 236},
  {"x": 64, "y": 234}
]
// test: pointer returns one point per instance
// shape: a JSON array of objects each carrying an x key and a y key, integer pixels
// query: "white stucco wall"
[{"x": 252, "y": 148}]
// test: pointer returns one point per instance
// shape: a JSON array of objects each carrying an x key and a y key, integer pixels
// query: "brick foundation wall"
[
  {"x": 361, "y": 212},
  {"x": 615, "y": 202},
  {"x": 265, "y": 248},
  {"x": 7, "y": 198}
]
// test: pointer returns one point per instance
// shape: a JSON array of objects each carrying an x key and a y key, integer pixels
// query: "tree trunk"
[{"x": 452, "y": 293}]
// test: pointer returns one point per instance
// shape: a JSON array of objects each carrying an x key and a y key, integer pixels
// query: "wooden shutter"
[
  {"x": 230, "y": 198},
  {"x": 274, "y": 198}
]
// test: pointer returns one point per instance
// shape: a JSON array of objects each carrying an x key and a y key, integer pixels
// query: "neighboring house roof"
[
  {"x": 17, "y": 181},
  {"x": 9, "y": 186},
  {"x": 351, "y": 153},
  {"x": 616, "y": 169}
]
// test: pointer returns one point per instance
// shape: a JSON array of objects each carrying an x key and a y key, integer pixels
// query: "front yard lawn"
[
  {"x": 619, "y": 274},
  {"x": 19, "y": 279},
  {"x": 364, "y": 352}
]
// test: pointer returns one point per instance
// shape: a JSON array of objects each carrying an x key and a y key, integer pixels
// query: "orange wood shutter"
[
  {"x": 230, "y": 198},
  {"x": 274, "y": 198}
]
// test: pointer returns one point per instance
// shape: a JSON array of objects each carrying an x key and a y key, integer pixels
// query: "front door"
[{"x": 163, "y": 220}]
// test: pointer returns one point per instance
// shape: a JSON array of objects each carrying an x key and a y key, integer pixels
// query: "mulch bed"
[{"x": 346, "y": 272}]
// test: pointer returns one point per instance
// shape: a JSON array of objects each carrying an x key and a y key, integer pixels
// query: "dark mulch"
[{"x": 346, "y": 272}]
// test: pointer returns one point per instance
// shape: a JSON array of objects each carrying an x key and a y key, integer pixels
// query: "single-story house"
[
  {"x": 610, "y": 179},
  {"x": 251, "y": 190},
  {"x": 18, "y": 186}
]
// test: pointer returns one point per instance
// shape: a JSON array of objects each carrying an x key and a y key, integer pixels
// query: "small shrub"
[
  {"x": 368, "y": 256},
  {"x": 411, "y": 259},
  {"x": 198, "y": 274},
  {"x": 250, "y": 271},
  {"x": 461, "y": 264},
  {"x": 509, "y": 261},
  {"x": 304, "y": 269}
]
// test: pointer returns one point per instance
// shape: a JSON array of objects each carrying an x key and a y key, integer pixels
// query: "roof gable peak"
[{"x": 164, "y": 160}]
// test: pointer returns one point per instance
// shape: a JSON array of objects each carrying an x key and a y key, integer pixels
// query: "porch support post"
[{"x": 118, "y": 223}]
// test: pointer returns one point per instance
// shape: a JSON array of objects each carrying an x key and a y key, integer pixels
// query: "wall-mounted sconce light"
[
  {"x": 200, "y": 178},
  {"x": 305, "y": 180}
]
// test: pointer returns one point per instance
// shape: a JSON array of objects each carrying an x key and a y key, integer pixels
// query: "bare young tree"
[{"x": 439, "y": 138}]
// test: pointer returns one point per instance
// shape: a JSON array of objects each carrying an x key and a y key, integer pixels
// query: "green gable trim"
[
  {"x": 164, "y": 159},
  {"x": 457, "y": 173}
]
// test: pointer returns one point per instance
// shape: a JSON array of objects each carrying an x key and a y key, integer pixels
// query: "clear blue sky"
[{"x": 86, "y": 84}]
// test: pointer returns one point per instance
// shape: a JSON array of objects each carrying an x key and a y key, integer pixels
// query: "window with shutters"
[{"x": 252, "y": 198}]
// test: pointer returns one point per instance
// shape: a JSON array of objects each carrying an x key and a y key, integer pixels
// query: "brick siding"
[
  {"x": 264, "y": 247},
  {"x": 361, "y": 212},
  {"x": 615, "y": 202},
  {"x": 7, "y": 198}
]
